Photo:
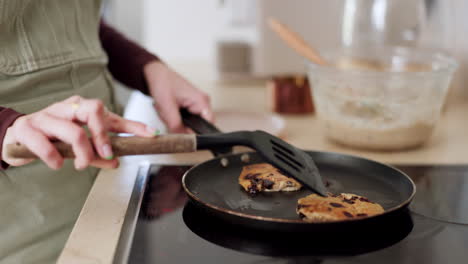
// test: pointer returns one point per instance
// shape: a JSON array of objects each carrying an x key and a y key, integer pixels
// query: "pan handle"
[
  {"x": 197, "y": 123},
  {"x": 225, "y": 140},
  {"x": 122, "y": 146},
  {"x": 203, "y": 127}
]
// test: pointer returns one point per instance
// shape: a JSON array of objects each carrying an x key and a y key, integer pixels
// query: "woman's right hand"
[{"x": 64, "y": 121}]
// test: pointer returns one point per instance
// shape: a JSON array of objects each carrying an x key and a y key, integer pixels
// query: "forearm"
[
  {"x": 126, "y": 58},
  {"x": 7, "y": 117}
]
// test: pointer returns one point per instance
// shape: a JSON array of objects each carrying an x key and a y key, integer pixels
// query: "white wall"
[
  {"x": 126, "y": 16},
  {"x": 181, "y": 29}
]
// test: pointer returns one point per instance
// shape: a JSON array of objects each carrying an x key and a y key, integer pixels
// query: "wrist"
[
  {"x": 154, "y": 71},
  {"x": 7, "y": 118}
]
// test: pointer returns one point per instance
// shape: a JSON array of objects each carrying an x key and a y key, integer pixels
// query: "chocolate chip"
[
  {"x": 252, "y": 188},
  {"x": 363, "y": 199},
  {"x": 348, "y": 201},
  {"x": 267, "y": 184},
  {"x": 301, "y": 215},
  {"x": 289, "y": 183},
  {"x": 348, "y": 214},
  {"x": 299, "y": 206},
  {"x": 361, "y": 215},
  {"x": 336, "y": 205},
  {"x": 251, "y": 176}
]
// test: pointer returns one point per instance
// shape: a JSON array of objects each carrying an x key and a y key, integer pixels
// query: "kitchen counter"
[{"x": 95, "y": 235}]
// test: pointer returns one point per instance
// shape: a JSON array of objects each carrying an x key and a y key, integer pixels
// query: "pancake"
[
  {"x": 263, "y": 177},
  {"x": 345, "y": 206}
]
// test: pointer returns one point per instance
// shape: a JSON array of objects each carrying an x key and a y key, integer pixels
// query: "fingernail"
[
  {"x": 153, "y": 131},
  {"x": 107, "y": 151},
  {"x": 205, "y": 113}
]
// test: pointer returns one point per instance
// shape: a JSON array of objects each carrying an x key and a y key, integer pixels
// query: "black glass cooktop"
[{"x": 169, "y": 229}]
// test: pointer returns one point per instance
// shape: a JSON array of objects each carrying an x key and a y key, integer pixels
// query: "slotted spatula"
[
  {"x": 203, "y": 127},
  {"x": 289, "y": 159}
]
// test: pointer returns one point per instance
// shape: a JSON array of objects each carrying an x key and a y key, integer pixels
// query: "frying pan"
[{"x": 215, "y": 188}]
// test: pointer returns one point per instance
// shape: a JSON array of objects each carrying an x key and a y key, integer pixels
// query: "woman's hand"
[
  {"x": 64, "y": 121},
  {"x": 172, "y": 92}
]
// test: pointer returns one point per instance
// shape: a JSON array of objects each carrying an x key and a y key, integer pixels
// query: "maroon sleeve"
[
  {"x": 7, "y": 117},
  {"x": 126, "y": 58}
]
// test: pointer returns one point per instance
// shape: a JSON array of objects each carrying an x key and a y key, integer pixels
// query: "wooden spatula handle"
[
  {"x": 123, "y": 146},
  {"x": 296, "y": 42}
]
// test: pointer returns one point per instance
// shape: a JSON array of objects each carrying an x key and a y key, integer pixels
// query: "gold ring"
[{"x": 75, "y": 106}]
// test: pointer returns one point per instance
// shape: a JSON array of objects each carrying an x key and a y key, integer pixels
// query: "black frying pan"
[{"x": 215, "y": 188}]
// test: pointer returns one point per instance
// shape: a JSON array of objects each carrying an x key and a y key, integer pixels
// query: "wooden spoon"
[{"x": 296, "y": 42}]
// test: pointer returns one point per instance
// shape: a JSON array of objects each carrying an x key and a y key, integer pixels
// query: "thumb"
[{"x": 7, "y": 140}]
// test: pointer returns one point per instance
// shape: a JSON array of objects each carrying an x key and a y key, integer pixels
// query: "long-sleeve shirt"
[{"x": 126, "y": 67}]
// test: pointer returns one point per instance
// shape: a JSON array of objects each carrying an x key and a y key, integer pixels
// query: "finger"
[
  {"x": 38, "y": 143},
  {"x": 68, "y": 132},
  {"x": 18, "y": 162},
  {"x": 120, "y": 125},
  {"x": 201, "y": 105},
  {"x": 66, "y": 109},
  {"x": 93, "y": 113},
  {"x": 105, "y": 164},
  {"x": 168, "y": 110},
  {"x": 207, "y": 113}
]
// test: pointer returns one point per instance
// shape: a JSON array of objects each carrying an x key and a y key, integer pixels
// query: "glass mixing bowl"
[{"x": 382, "y": 98}]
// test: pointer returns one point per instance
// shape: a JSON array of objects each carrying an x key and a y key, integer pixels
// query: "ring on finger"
[{"x": 75, "y": 106}]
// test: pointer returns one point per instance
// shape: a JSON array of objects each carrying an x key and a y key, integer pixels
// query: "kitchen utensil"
[
  {"x": 296, "y": 42},
  {"x": 289, "y": 159},
  {"x": 200, "y": 126},
  {"x": 223, "y": 198},
  {"x": 310, "y": 176}
]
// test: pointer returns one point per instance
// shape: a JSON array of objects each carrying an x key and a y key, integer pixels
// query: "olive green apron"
[{"x": 49, "y": 51}]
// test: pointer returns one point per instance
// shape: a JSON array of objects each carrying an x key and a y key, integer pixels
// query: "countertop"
[{"x": 96, "y": 233}]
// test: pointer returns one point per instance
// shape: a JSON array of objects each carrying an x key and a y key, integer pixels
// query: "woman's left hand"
[{"x": 172, "y": 92}]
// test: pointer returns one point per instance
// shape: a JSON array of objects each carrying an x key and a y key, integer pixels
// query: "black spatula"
[{"x": 291, "y": 160}]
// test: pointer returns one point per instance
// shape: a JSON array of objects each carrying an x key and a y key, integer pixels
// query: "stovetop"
[{"x": 169, "y": 229}]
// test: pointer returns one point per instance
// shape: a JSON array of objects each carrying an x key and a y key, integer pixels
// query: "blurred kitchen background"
[{"x": 227, "y": 40}]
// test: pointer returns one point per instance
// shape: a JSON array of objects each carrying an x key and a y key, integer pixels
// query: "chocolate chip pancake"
[
  {"x": 345, "y": 206},
  {"x": 263, "y": 177}
]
